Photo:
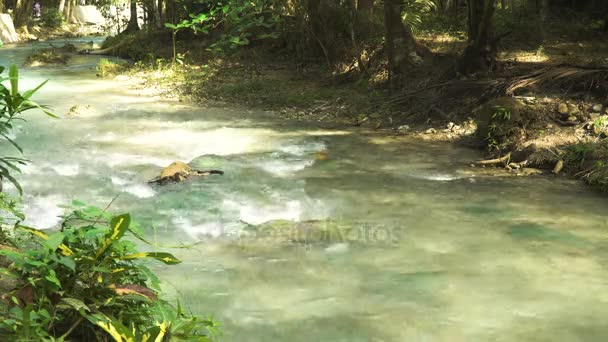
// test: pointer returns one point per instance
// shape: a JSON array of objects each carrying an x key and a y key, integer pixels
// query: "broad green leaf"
[
  {"x": 117, "y": 331},
  {"x": 65, "y": 250},
  {"x": 77, "y": 304},
  {"x": 118, "y": 226},
  {"x": 163, "y": 330},
  {"x": 13, "y": 74},
  {"x": 12, "y": 143},
  {"x": 34, "y": 232},
  {"x": 68, "y": 262},
  {"x": 154, "y": 281},
  {"x": 77, "y": 203},
  {"x": 52, "y": 277},
  {"x": 27, "y": 94},
  {"x": 54, "y": 241},
  {"x": 166, "y": 258}
]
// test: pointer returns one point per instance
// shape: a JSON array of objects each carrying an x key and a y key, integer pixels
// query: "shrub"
[
  {"x": 106, "y": 67},
  {"x": 51, "y": 18},
  {"x": 85, "y": 282}
]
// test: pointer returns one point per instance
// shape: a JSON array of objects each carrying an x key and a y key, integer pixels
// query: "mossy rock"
[
  {"x": 179, "y": 171},
  {"x": 52, "y": 55},
  {"x": 80, "y": 110},
  {"x": 504, "y": 112},
  {"x": 175, "y": 168}
]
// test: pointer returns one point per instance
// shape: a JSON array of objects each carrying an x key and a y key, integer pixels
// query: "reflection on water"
[{"x": 436, "y": 255}]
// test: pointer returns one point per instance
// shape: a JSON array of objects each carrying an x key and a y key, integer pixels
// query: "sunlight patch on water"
[
  {"x": 140, "y": 190},
  {"x": 68, "y": 170},
  {"x": 435, "y": 176},
  {"x": 302, "y": 149},
  {"x": 123, "y": 159},
  {"x": 43, "y": 212},
  {"x": 200, "y": 231},
  {"x": 256, "y": 214},
  {"x": 283, "y": 168},
  {"x": 189, "y": 144}
]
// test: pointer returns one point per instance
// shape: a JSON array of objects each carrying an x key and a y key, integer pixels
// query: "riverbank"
[{"x": 560, "y": 119}]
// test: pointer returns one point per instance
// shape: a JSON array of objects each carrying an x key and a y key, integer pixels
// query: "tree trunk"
[
  {"x": 61, "y": 6},
  {"x": 363, "y": 18},
  {"x": 402, "y": 50},
  {"x": 366, "y": 6},
  {"x": 23, "y": 10},
  {"x": 542, "y": 13},
  {"x": 155, "y": 18},
  {"x": 69, "y": 10},
  {"x": 133, "y": 26},
  {"x": 479, "y": 55}
]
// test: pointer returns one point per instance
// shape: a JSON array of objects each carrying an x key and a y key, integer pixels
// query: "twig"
[
  {"x": 558, "y": 167},
  {"x": 71, "y": 329},
  {"x": 105, "y": 209}
]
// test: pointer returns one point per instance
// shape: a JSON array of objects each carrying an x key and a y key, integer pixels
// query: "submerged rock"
[
  {"x": 174, "y": 168},
  {"x": 310, "y": 231},
  {"x": 499, "y": 116},
  {"x": 80, "y": 110},
  {"x": 179, "y": 171},
  {"x": 52, "y": 55}
]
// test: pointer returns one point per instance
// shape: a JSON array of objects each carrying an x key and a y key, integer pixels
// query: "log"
[
  {"x": 502, "y": 160},
  {"x": 182, "y": 176}
]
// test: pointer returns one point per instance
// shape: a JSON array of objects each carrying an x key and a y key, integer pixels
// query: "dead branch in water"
[{"x": 502, "y": 160}]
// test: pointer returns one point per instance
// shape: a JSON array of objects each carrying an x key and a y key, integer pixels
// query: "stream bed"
[{"x": 432, "y": 254}]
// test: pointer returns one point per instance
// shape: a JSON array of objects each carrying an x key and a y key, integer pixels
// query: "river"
[{"x": 438, "y": 254}]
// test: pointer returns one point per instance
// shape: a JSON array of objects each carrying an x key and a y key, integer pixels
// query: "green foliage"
[
  {"x": 47, "y": 56},
  {"x": 51, "y": 18},
  {"x": 106, "y": 67},
  {"x": 87, "y": 282},
  {"x": 588, "y": 162},
  {"x": 495, "y": 131},
  {"x": 415, "y": 10},
  {"x": 240, "y": 23},
  {"x": 600, "y": 123},
  {"x": 578, "y": 154},
  {"x": 12, "y": 104}
]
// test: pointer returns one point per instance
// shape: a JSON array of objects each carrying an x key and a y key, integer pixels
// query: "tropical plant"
[
  {"x": 12, "y": 104},
  {"x": 175, "y": 28},
  {"x": 415, "y": 10},
  {"x": 86, "y": 282},
  {"x": 52, "y": 18}
]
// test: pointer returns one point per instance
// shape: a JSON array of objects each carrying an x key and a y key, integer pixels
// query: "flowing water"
[{"x": 435, "y": 254}]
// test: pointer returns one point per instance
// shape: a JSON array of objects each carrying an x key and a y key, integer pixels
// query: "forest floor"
[{"x": 559, "y": 91}]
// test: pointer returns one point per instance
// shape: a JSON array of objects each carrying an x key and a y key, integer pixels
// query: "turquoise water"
[{"x": 435, "y": 254}]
